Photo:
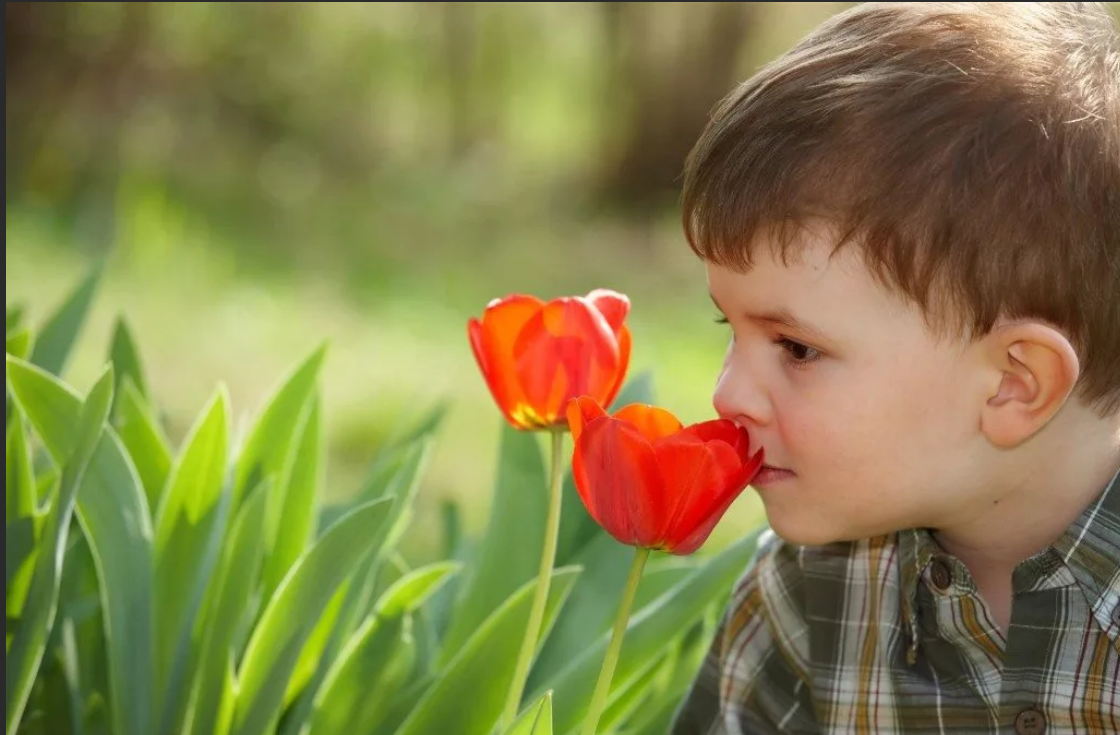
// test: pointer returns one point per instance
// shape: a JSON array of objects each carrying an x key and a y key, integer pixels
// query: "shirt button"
[
  {"x": 940, "y": 574},
  {"x": 1030, "y": 722}
]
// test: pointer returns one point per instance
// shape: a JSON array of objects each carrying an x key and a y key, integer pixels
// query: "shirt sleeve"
[{"x": 753, "y": 677}]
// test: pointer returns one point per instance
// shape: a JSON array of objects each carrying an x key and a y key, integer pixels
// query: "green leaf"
[
  {"x": 126, "y": 359},
  {"x": 482, "y": 672},
  {"x": 590, "y": 611},
  {"x": 536, "y": 720},
  {"x": 19, "y": 548},
  {"x": 13, "y": 317},
  {"x": 577, "y": 527},
  {"x": 79, "y": 640},
  {"x": 19, "y": 489},
  {"x": 115, "y": 520},
  {"x": 29, "y": 644},
  {"x": 413, "y": 589},
  {"x": 400, "y": 489},
  {"x": 266, "y": 450},
  {"x": 298, "y": 519},
  {"x": 649, "y": 630},
  {"x": 231, "y": 589},
  {"x": 145, "y": 441},
  {"x": 360, "y": 689},
  {"x": 510, "y": 550},
  {"x": 18, "y": 343},
  {"x": 633, "y": 694},
  {"x": 290, "y": 616},
  {"x": 667, "y": 697},
  {"x": 190, "y": 526},
  {"x": 376, "y": 662},
  {"x": 56, "y": 339}
]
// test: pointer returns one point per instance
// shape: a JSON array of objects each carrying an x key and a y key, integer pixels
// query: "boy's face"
[{"x": 870, "y": 422}]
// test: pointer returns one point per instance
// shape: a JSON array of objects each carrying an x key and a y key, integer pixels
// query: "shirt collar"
[{"x": 1089, "y": 548}]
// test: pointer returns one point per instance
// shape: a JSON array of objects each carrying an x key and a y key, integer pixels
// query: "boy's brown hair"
[{"x": 971, "y": 150}]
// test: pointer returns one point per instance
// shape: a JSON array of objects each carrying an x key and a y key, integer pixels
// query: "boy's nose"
[{"x": 740, "y": 398}]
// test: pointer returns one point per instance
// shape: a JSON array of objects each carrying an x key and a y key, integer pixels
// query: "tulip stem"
[
  {"x": 544, "y": 579},
  {"x": 603, "y": 686}
]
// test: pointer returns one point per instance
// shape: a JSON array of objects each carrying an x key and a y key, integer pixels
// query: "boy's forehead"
[{"x": 817, "y": 283}]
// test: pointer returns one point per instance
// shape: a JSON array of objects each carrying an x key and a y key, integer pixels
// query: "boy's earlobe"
[{"x": 1038, "y": 370}]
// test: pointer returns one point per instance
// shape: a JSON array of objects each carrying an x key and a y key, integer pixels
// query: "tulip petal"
[
  {"x": 695, "y": 475},
  {"x": 612, "y": 305},
  {"x": 582, "y": 411},
  {"x": 623, "y": 365},
  {"x": 492, "y": 342},
  {"x": 615, "y": 473},
  {"x": 565, "y": 350},
  {"x": 722, "y": 430},
  {"x": 652, "y": 421}
]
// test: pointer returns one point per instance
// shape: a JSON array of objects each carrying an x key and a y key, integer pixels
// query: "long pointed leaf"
[
  {"x": 145, "y": 441},
  {"x": 298, "y": 519},
  {"x": 229, "y": 594},
  {"x": 115, "y": 520},
  {"x": 510, "y": 550},
  {"x": 266, "y": 450},
  {"x": 649, "y": 630},
  {"x": 56, "y": 339},
  {"x": 364, "y": 681},
  {"x": 290, "y": 616},
  {"x": 408, "y": 463},
  {"x": 535, "y": 720},
  {"x": 190, "y": 525},
  {"x": 482, "y": 672},
  {"x": 125, "y": 357},
  {"x": 29, "y": 645},
  {"x": 23, "y": 521}
]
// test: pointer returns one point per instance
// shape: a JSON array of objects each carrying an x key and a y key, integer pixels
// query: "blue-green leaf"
[
  {"x": 647, "y": 634},
  {"x": 364, "y": 680},
  {"x": 231, "y": 588},
  {"x": 29, "y": 644},
  {"x": 114, "y": 517},
  {"x": 125, "y": 357},
  {"x": 145, "y": 441},
  {"x": 535, "y": 720},
  {"x": 510, "y": 550},
  {"x": 290, "y": 616},
  {"x": 190, "y": 526},
  {"x": 482, "y": 672}
]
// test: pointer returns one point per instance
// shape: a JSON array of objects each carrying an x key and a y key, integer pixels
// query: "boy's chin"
[{"x": 812, "y": 532}]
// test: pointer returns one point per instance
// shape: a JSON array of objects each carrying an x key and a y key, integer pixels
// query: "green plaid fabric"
[{"x": 888, "y": 635}]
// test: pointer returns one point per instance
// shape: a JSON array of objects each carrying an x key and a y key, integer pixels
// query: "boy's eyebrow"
[{"x": 781, "y": 317}]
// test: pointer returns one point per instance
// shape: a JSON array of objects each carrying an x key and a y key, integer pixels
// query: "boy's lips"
[{"x": 769, "y": 475}]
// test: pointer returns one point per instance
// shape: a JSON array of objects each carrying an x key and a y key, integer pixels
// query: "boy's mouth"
[{"x": 769, "y": 475}]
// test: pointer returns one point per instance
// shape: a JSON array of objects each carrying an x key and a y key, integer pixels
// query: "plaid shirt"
[{"x": 888, "y": 635}]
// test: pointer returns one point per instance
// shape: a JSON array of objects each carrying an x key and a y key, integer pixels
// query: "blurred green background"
[{"x": 261, "y": 177}]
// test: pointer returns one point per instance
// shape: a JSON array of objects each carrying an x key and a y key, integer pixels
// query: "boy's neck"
[{"x": 1040, "y": 501}]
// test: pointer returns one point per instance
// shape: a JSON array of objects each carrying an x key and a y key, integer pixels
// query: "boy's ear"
[{"x": 1037, "y": 370}]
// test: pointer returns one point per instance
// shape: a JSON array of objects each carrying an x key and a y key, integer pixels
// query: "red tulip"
[
  {"x": 537, "y": 356},
  {"x": 653, "y": 483}
]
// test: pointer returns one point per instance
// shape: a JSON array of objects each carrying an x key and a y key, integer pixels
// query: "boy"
[{"x": 911, "y": 224}]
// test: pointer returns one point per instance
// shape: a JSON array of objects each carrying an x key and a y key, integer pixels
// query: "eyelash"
[{"x": 790, "y": 347}]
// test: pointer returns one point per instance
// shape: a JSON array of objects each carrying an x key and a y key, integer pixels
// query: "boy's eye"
[
  {"x": 720, "y": 319},
  {"x": 798, "y": 353}
]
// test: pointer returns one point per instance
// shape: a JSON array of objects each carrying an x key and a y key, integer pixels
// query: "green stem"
[
  {"x": 544, "y": 579},
  {"x": 603, "y": 686}
]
